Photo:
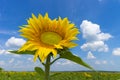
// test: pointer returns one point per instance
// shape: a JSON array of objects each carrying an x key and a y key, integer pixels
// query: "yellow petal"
[
  {"x": 35, "y": 31},
  {"x": 58, "y": 46}
]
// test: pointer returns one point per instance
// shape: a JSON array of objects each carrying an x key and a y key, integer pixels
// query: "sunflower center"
[{"x": 50, "y": 38}]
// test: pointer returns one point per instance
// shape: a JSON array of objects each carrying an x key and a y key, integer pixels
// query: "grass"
[{"x": 4, "y": 75}]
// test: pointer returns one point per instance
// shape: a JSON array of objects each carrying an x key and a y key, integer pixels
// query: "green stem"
[
  {"x": 55, "y": 60},
  {"x": 47, "y": 68}
]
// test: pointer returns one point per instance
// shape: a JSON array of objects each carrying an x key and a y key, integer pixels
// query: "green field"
[{"x": 61, "y": 76}]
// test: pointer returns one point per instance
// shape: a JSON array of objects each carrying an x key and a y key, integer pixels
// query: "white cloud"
[
  {"x": 95, "y": 46},
  {"x": 97, "y": 62},
  {"x": 2, "y": 51},
  {"x": 18, "y": 62},
  {"x": 104, "y": 36},
  {"x": 30, "y": 59},
  {"x": 101, "y": 62},
  {"x": 7, "y": 32},
  {"x": 16, "y": 55},
  {"x": 1, "y": 47},
  {"x": 104, "y": 62},
  {"x": 95, "y": 39},
  {"x": 90, "y": 55},
  {"x": 2, "y": 63},
  {"x": 11, "y": 60},
  {"x": 116, "y": 52},
  {"x": 14, "y": 43},
  {"x": 6, "y": 52},
  {"x": 65, "y": 62}
]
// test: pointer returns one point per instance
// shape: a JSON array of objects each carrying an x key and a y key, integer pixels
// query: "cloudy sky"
[{"x": 97, "y": 20}]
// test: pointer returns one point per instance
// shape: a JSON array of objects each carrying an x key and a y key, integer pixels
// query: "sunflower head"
[{"x": 46, "y": 36}]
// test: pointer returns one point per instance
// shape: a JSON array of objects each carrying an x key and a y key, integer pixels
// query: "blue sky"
[{"x": 98, "y": 21}]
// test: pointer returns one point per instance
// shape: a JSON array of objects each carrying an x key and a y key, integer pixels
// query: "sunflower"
[{"x": 46, "y": 36}]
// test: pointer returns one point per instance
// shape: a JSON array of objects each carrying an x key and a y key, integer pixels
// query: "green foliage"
[
  {"x": 54, "y": 75},
  {"x": 1, "y": 69},
  {"x": 66, "y": 54},
  {"x": 23, "y": 52},
  {"x": 61, "y": 76},
  {"x": 40, "y": 72}
]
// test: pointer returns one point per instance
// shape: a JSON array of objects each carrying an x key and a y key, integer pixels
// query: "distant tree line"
[{"x": 1, "y": 69}]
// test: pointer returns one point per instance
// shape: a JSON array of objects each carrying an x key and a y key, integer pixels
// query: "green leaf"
[
  {"x": 40, "y": 72},
  {"x": 68, "y": 55},
  {"x": 23, "y": 52},
  {"x": 54, "y": 75}
]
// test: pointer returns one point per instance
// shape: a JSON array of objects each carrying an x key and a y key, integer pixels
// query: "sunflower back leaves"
[
  {"x": 23, "y": 52},
  {"x": 66, "y": 54}
]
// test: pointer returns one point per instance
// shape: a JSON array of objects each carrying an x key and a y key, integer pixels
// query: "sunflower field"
[{"x": 10, "y": 75}]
